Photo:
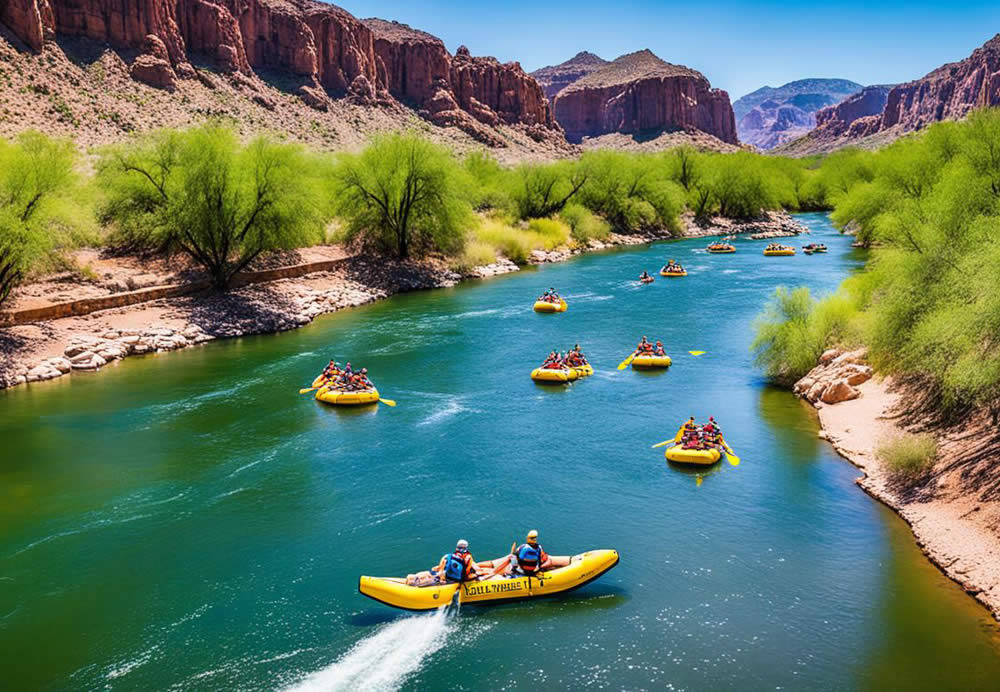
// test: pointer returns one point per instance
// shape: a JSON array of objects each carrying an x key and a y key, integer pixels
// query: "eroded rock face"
[
  {"x": 839, "y": 119},
  {"x": 325, "y": 48},
  {"x": 640, "y": 93},
  {"x": 835, "y": 379}
]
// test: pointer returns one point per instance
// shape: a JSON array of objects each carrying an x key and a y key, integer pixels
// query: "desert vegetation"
[
  {"x": 928, "y": 302},
  {"x": 224, "y": 202}
]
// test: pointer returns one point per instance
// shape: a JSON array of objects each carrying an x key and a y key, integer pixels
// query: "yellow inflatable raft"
[
  {"x": 672, "y": 274},
  {"x": 783, "y": 252},
  {"x": 342, "y": 398},
  {"x": 651, "y": 362},
  {"x": 721, "y": 250},
  {"x": 546, "y": 306},
  {"x": 584, "y": 370},
  {"x": 703, "y": 457},
  {"x": 557, "y": 375},
  {"x": 571, "y": 573}
]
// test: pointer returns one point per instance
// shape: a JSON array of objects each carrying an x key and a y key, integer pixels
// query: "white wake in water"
[{"x": 384, "y": 659}]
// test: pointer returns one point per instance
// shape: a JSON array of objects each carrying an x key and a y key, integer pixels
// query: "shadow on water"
[
  {"x": 795, "y": 434},
  {"x": 697, "y": 473}
]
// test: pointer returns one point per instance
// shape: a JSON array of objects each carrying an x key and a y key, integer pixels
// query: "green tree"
[
  {"x": 36, "y": 178},
  {"x": 541, "y": 190},
  {"x": 403, "y": 194},
  {"x": 204, "y": 194},
  {"x": 631, "y": 191}
]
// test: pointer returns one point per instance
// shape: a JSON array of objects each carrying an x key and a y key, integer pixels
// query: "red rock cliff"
[
  {"x": 325, "y": 47},
  {"x": 641, "y": 93},
  {"x": 947, "y": 93}
]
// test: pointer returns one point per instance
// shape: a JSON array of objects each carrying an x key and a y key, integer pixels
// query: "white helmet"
[{"x": 462, "y": 545}]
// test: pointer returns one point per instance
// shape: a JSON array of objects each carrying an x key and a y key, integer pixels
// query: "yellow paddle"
[
  {"x": 624, "y": 363},
  {"x": 730, "y": 456},
  {"x": 309, "y": 389},
  {"x": 387, "y": 402},
  {"x": 697, "y": 353},
  {"x": 675, "y": 439}
]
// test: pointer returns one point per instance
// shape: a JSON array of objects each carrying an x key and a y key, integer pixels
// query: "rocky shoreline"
[
  {"x": 48, "y": 350},
  {"x": 954, "y": 525}
]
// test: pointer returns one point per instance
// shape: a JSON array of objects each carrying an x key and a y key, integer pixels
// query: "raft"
[
  {"x": 651, "y": 362},
  {"x": 722, "y": 250},
  {"x": 341, "y": 398},
  {"x": 702, "y": 457},
  {"x": 546, "y": 306},
  {"x": 558, "y": 375},
  {"x": 672, "y": 274},
  {"x": 572, "y": 573},
  {"x": 647, "y": 280},
  {"x": 584, "y": 370},
  {"x": 783, "y": 252}
]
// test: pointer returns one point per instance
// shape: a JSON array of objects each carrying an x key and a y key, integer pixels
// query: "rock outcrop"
[
  {"x": 835, "y": 379},
  {"x": 326, "y": 51},
  {"x": 461, "y": 90},
  {"x": 640, "y": 94},
  {"x": 855, "y": 116},
  {"x": 555, "y": 78},
  {"x": 947, "y": 93},
  {"x": 769, "y": 116}
]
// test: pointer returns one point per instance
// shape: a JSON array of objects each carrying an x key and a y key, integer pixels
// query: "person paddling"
[
  {"x": 658, "y": 351},
  {"x": 457, "y": 567},
  {"x": 527, "y": 559}
]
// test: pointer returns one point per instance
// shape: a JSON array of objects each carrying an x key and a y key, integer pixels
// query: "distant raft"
[
  {"x": 339, "y": 397},
  {"x": 682, "y": 272},
  {"x": 721, "y": 248},
  {"x": 571, "y": 572},
  {"x": 781, "y": 251},
  {"x": 547, "y": 306},
  {"x": 700, "y": 457},
  {"x": 649, "y": 362},
  {"x": 555, "y": 375},
  {"x": 647, "y": 280}
]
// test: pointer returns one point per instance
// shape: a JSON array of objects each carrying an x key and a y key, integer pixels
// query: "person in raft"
[
  {"x": 644, "y": 347},
  {"x": 658, "y": 351},
  {"x": 672, "y": 267},
  {"x": 575, "y": 357},
  {"x": 331, "y": 371},
  {"x": 550, "y": 296},
  {"x": 456, "y": 567},
  {"x": 554, "y": 361},
  {"x": 528, "y": 559},
  {"x": 645, "y": 275}
]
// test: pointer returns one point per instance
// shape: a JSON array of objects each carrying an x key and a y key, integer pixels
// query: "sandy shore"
[{"x": 957, "y": 530}]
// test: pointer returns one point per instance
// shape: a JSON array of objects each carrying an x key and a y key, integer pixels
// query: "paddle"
[
  {"x": 675, "y": 439},
  {"x": 730, "y": 455},
  {"x": 697, "y": 353},
  {"x": 310, "y": 389},
  {"x": 624, "y": 363},
  {"x": 387, "y": 402}
]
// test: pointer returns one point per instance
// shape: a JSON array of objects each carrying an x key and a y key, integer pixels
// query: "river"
[{"x": 188, "y": 521}]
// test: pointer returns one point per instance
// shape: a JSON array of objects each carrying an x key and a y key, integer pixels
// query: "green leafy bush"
[
  {"x": 584, "y": 224},
  {"x": 401, "y": 194},
  {"x": 40, "y": 209},
  {"x": 204, "y": 194},
  {"x": 908, "y": 455}
]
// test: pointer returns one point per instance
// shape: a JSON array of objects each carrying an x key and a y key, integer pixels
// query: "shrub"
[
  {"x": 476, "y": 253},
  {"x": 784, "y": 347},
  {"x": 38, "y": 208},
  {"x": 541, "y": 190},
  {"x": 402, "y": 194},
  {"x": 204, "y": 194},
  {"x": 583, "y": 224},
  {"x": 551, "y": 233},
  {"x": 908, "y": 455},
  {"x": 514, "y": 244}
]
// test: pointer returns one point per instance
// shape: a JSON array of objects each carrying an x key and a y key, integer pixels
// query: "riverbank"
[
  {"x": 47, "y": 350},
  {"x": 956, "y": 524}
]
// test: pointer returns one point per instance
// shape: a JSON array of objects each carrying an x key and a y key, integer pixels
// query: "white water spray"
[{"x": 384, "y": 659}]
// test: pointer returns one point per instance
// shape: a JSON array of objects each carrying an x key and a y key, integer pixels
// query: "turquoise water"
[{"x": 188, "y": 521}]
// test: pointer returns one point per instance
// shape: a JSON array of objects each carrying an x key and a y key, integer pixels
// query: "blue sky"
[{"x": 739, "y": 46}]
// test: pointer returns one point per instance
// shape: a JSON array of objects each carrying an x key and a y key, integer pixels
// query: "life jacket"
[
  {"x": 529, "y": 557},
  {"x": 456, "y": 567}
]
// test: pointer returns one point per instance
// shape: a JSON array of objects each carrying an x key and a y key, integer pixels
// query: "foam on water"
[{"x": 385, "y": 659}]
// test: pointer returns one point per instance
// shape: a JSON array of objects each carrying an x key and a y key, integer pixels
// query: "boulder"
[
  {"x": 839, "y": 391},
  {"x": 61, "y": 364},
  {"x": 828, "y": 356}
]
